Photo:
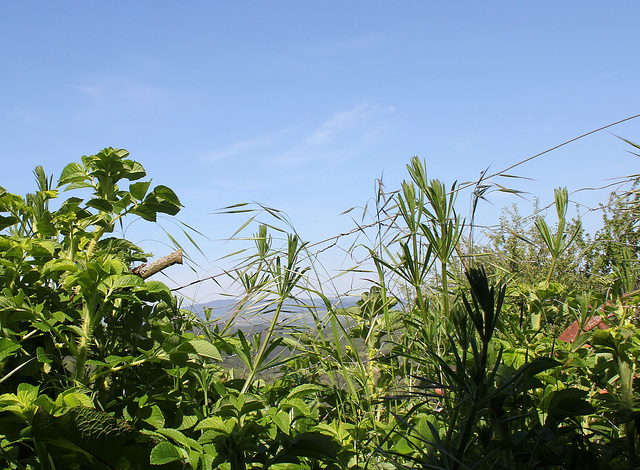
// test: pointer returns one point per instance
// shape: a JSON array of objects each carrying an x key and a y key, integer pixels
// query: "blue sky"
[{"x": 302, "y": 105}]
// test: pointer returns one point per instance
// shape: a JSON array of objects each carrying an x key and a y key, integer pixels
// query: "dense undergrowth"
[{"x": 450, "y": 359}]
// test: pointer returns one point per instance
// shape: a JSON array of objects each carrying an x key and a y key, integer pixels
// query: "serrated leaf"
[
  {"x": 135, "y": 169},
  {"x": 95, "y": 439},
  {"x": 100, "y": 204},
  {"x": 212, "y": 423},
  {"x": 296, "y": 403},
  {"x": 77, "y": 399},
  {"x": 282, "y": 420},
  {"x": 7, "y": 221},
  {"x": 163, "y": 453},
  {"x": 180, "y": 438},
  {"x": 58, "y": 265},
  {"x": 127, "y": 280},
  {"x": 156, "y": 418},
  {"x": 304, "y": 390},
  {"x": 44, "y": 247},
  {"x": 139, "y": 190},
  {"x": 155, "y": 287},
  {"x": 73, "y": 172},
  {"x": 144, "y": 211},
  {"x": 188, "y": 422},
  {"x": 78, "y": 185},
  {"x": 7, "y": 347},
  {"x": 206, "y": 349},
  {"x": 166, "y": 193}
]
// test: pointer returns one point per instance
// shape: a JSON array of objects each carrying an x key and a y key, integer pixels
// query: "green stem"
[
  {"x": 445, "y": 289},
  {"x": 43, "y": 455},
  {"x": 551, "y": 268},
  {"x": 263, "y": 346},
  {"x": 88, "y": 319}
]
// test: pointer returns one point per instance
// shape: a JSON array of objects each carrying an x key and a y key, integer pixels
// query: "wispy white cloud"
[
  {"x": 346, "y": 132},
  {"x": 340, "y": 123},
  {"x": 243, "y": 146},
  {"x": 339, "y": 137},
  {"x": 617, "y": 72}
]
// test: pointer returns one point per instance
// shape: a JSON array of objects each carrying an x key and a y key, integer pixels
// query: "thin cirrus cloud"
[
  {"x": 339, "y": 123},
  {"x": 353, "y": 128},
  {"x": 359, "y": 124},
  {"x": 247, "y": 145}
]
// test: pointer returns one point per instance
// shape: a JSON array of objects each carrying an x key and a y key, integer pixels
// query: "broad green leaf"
[
  {"x": 282, "y": 420},
  {"x": 135, "y": 171},
  {"x": 100, "y": 204},
  {"x": 58, "y": 265},
  {"x": 139, "y": 190},
  {"x": 73, "y": 172},
  {"x": 41, "y": 355},
  {"x": 163, "y": 192},
  {"x": 296, "y": 403},
  {"x": 155, "y": 418},
  {"x": 164, "y": 452},
  {"x": 538, "y": 365},
  {"x": 76, "y": 399},
  {"x": 88, "y": 438},
  {"x": 127, "y": 280},
  {"x": 45, "y": 226},
  {"x": 7, "y": 347},
  {"x": 180, "y": 438},
  {"x": 206, "y": 349},
  {"x": 27, "y": 393},
  {"x": 78, "y": 185},
  {"x": 188, "y": 422},
  {"x": 155, "y": 287},
  {"x": 215, "y": 423},
  {"x": 44, "y": 247},
  {"x": 569, "y": 402},
  {"x": 144, "y": 211},
  {"x": 309, "y": 444},
  {"x": 163, "y": 206},
  {"x": 7, "y": 221},
  {"x": 114, "y": 360},
  {"x": 304, "y": 390}
]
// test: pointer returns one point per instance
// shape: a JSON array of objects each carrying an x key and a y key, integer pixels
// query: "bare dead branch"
[{"x": 148, "y": 270}]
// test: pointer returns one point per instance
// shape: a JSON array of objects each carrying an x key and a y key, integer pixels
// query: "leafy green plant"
[
  {"x": 72, "y": 312},
  {"x": 439, "y": 364}
]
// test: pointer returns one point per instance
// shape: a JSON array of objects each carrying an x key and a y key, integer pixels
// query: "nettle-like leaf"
[
  {"x": 161, "y": 199},
  {"x": 206, "y": 349},
  {"x": 100, "y": 204},
  {"x": 139, "y": 190},
  {"x": 88, "y": 438},
  {"x": 120, "y": 281},
  {"x": 568, "y": 403},
  {"x": 7, "y": 221},
  {"x": 72, "y": 173},
  {"x": 165, "y": 452},
  {"x": 7, "y": 347},
  {"x": 59, "y": 264}
]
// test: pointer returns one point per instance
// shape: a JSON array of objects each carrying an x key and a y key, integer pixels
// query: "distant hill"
[{"x": 259, "y": 316}]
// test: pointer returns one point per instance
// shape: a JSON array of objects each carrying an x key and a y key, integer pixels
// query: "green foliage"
[
  {"x": 616, "y": 246},
  {"x": 443, "y": 362}
]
